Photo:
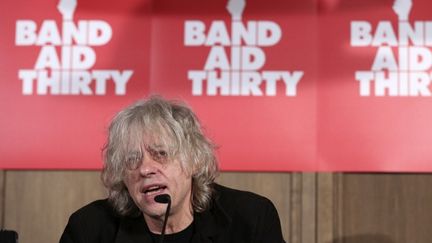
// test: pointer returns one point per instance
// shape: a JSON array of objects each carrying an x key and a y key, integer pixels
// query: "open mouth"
[{"x": 153, "y": 190}]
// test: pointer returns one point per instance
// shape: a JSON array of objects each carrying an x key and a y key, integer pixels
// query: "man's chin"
[{"x": 157, "y": 213}]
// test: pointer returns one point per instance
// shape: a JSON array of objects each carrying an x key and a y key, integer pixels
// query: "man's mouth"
[{"x": 153, "y": 190}]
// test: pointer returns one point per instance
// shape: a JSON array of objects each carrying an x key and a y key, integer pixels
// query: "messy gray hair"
[{"x": 171, "y": 123}]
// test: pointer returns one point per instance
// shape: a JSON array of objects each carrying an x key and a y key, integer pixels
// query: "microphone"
[{"x": 164, "y": 198}]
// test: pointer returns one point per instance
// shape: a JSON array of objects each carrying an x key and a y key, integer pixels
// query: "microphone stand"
[{"x": 164, "y": 198}]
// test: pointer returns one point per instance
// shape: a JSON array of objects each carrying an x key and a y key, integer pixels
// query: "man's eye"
[
  {"x": 133, "y": 161},
  {"x": 163, "y": 153},
  {"x": 158, "y": 155}
]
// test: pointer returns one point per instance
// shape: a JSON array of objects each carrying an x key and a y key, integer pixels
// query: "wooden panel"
[
  {"x": 386, "y": 208},
  {"x": 308, "y": 207},
  {"x": 329, "y": 204},
  {"x": 38, "y": 203},
  {"x": 302, "y": 217},
  {"x": 2, "y": 191},
  {"x": 295, "y": 213}
]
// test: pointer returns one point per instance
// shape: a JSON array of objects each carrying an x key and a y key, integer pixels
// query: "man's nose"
[{"x": 148, "y": 166}]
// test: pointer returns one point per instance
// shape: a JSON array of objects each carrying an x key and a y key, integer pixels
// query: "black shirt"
[{"x": 184, "y": 236}]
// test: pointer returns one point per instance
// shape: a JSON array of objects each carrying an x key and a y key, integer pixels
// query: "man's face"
[{"x": 155, "y": 174}]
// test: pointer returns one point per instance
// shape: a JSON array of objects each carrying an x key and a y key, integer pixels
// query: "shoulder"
[
  {"x": 92, "y": 221},
  {"x": 99, "y": 210},
  {"x": 229, "y": 197},
  {"x": 250, "y": 214},
  {"x": 244, "y": 205}
]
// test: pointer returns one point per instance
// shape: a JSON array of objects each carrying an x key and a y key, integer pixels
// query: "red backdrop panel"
[
  {"x": 254, "y": 132},
  {"x": 284, "y": 98},
  {"x": 67, "y": 131},
  {"x": 368, "y": 133}
]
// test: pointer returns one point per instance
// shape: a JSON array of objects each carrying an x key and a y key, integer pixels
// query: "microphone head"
[{"x": 163, "y": 198}]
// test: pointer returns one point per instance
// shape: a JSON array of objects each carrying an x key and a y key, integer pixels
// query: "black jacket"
[{"x": 233, "y": 217}]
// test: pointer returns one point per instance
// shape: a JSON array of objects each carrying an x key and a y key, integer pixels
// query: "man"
[{"x": 156, "y": 147}]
